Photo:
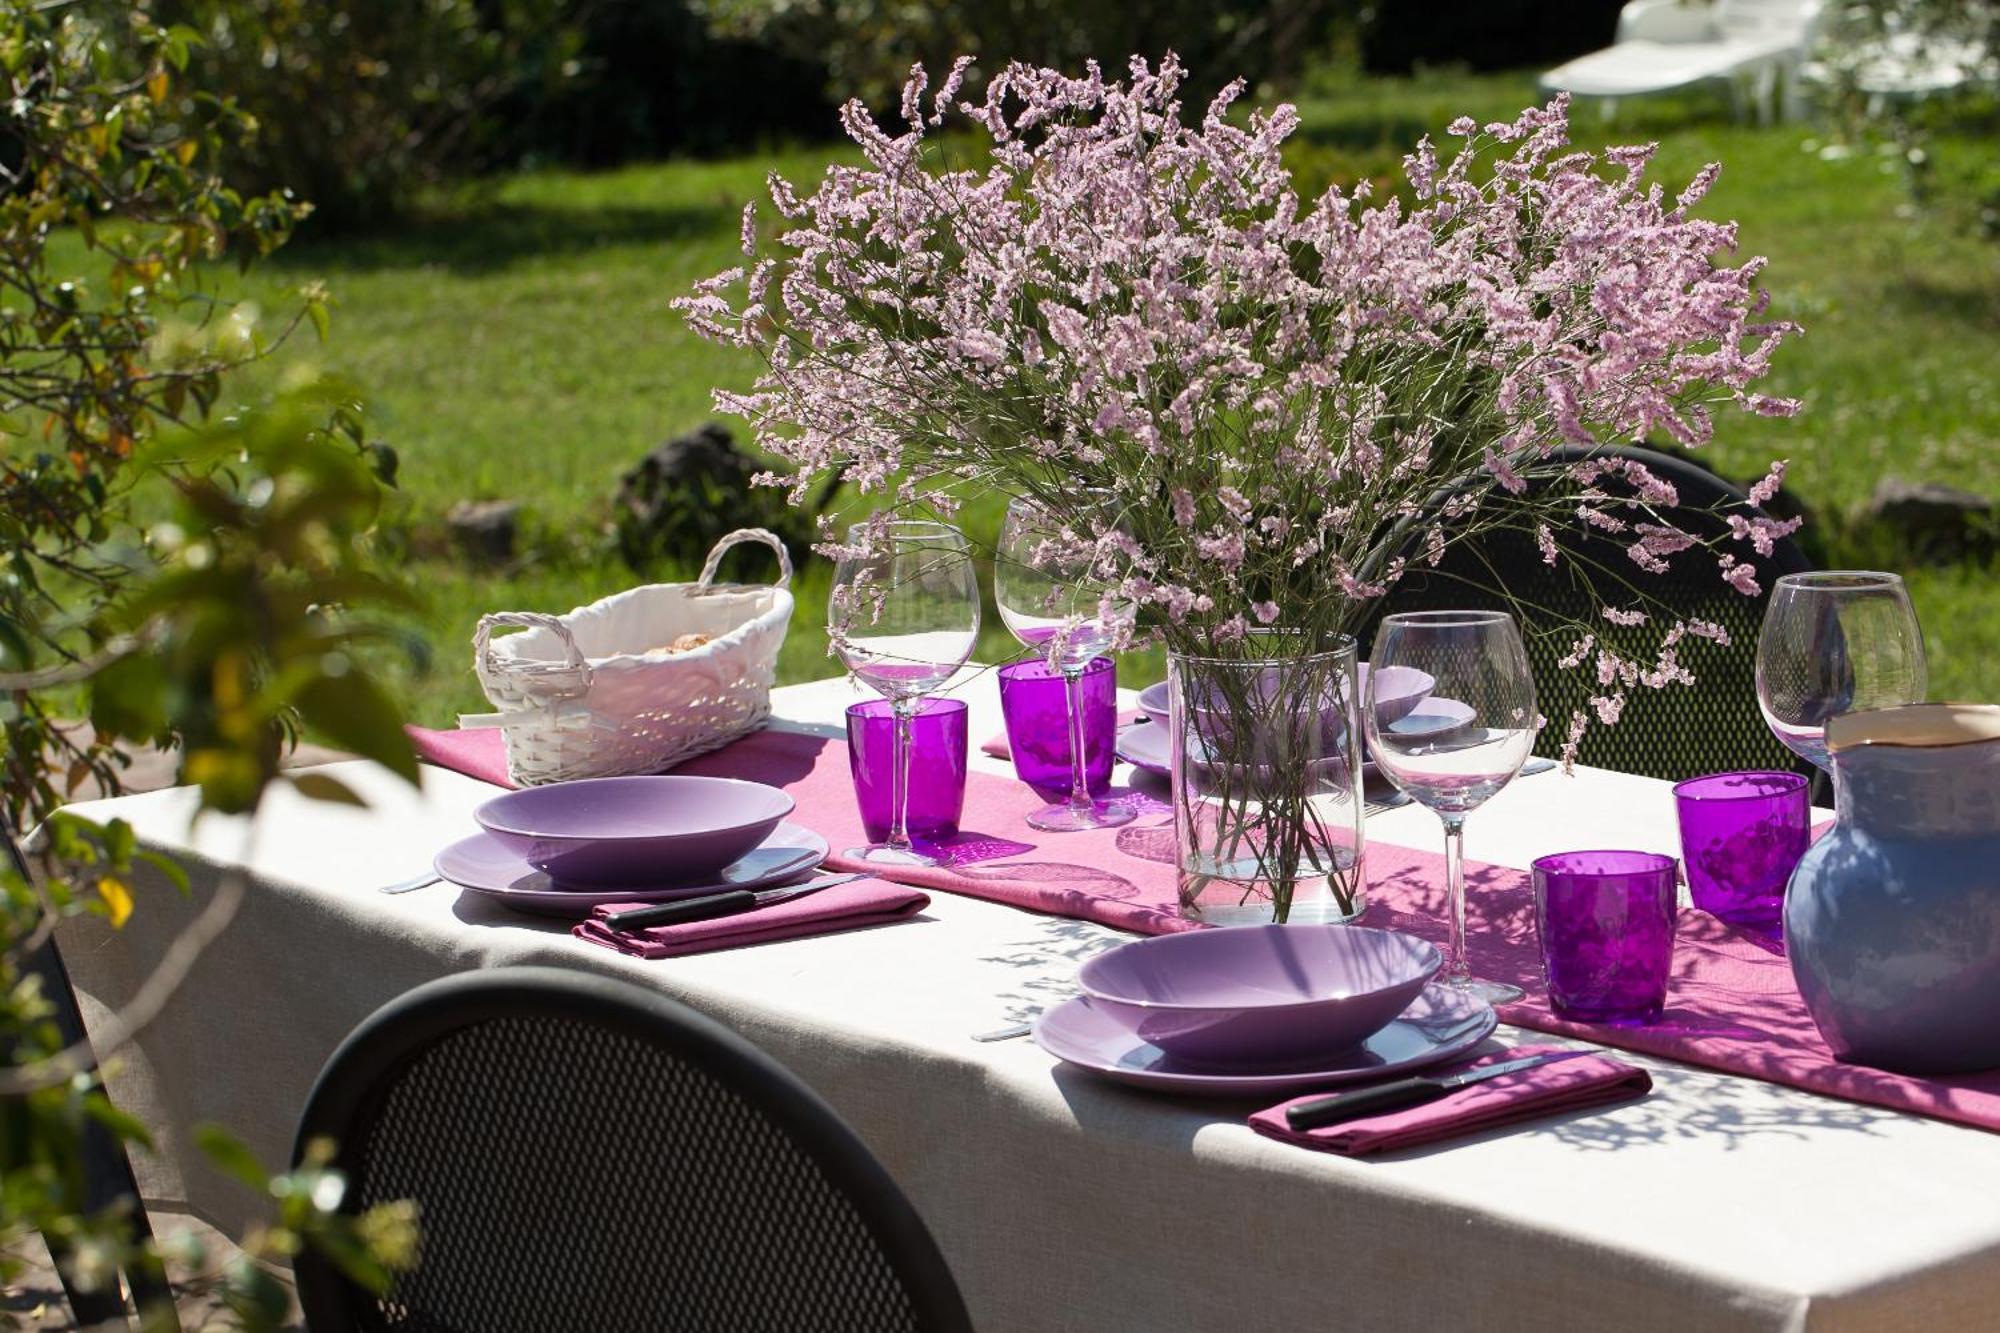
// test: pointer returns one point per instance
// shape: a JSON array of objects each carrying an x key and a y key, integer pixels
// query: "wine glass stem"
[
  {"x": 1079, "y": 786},
  {"x": 1459, "y": 971},
  {"x": 899, "y": 776}
]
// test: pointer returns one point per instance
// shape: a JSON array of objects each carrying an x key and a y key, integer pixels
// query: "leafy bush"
[
  {"x": 360, "y": 104},
  {"x": 214, "y": 627}
]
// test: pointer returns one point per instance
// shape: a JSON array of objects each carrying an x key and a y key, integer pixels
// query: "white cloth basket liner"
[{"x": 596, "y": 693}]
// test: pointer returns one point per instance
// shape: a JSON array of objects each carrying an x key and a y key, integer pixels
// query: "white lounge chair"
[{"x": 1663, "y": 45}]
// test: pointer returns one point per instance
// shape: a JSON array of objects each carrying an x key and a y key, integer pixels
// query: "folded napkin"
[
  {"x": 866, "y": 902},
  {"x": 1574, "y": 1084},
  {"x": 479, "y": 753}
]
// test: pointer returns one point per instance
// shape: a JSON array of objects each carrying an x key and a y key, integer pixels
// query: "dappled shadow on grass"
[
  {"x": 496, "y": 237},
  {"x": 1970, "y": 297}
]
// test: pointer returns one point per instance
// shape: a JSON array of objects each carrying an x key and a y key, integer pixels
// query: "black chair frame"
[{"x": 352, "y": 1087}]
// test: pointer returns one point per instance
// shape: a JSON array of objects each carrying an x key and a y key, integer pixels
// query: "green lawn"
[{"x": 522, "y": 346}]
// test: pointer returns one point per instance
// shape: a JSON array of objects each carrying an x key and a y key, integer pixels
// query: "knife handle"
[
  {"x": 1341, "y": 1106},
  {"x": 685, "y": 910}
]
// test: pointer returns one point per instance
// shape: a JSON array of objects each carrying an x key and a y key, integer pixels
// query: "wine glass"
[
  {"x": 1835, "y": 642},
  {"x": 1462, "y": 744},
  {"x": 904, "y": 617},
  {"x": 1055, "y": 595}
]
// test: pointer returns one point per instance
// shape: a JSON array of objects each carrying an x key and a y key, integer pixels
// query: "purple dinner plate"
[
  {"x": 1145, "y": 745},
  {"x": 1260, "y": 995},
  {"x": 637, "y": 830},
  {"x": 485, "y": 865},
  {"x": 1440, "y": 1023}
]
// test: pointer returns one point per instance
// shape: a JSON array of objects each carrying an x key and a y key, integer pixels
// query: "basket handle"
[
  {"x": 738, "y": 537},
  {"x": 573, "y": 659}
]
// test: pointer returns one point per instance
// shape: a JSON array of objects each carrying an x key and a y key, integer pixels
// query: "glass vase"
[{"x": 1267, "y": 754}]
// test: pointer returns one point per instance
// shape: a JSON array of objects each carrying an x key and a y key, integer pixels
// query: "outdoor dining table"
[{"x": 1061, "y": 1200}]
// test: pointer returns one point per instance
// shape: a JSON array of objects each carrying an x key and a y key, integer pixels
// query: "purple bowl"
[
  {"x": 1403, "y": 689},
  {"x": 1399, "y": 690},
  {"x": 1260, "y": 994},
  {"x": 617, "y": 831}
]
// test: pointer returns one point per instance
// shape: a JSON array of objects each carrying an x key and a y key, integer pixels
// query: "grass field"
[{"x": 521, "y": 346}]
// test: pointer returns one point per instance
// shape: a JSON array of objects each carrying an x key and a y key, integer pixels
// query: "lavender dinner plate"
[
  {"x": 483, "y": 864},
  {"x": 1439, "y": 1024},
  {"x": 1258, "y": 995},
  {"x": 1433, "y": 718},
  {"x": 617, "y": 831},
  {"x": 1402, "y": 689},
  {"x": 1145, "y": 745}
]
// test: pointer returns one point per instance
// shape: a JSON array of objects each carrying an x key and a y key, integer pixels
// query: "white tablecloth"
[{"x": 1061, "y": 1201}]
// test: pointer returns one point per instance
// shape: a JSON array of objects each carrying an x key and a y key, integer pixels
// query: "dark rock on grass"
[
  {"x": 485, "y": 529},
  {"x": 674, "y": 504},
  {"x": 1932, "y": 521}
]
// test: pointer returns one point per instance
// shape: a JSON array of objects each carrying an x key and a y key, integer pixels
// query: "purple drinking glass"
[
  {"x": 936, "y": 773},
  {"x": 1034, "y": 703},
  {"x": 1741, "y": 835},
  {"x": 1606, "y": 922}
]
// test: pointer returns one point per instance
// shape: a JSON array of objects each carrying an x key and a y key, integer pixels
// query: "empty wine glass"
[
  {"x": 1463, "y": 743},
  {"x": 905, "y": 617},
  {"x": 1054, "y": 594},
  {"x": 1833, "y": 642}
]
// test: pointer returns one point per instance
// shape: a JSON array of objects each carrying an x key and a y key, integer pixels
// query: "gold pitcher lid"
[{"x": 1927, "y": 725}]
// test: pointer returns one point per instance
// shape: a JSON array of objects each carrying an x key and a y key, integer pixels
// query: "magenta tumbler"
[
  {"x": 1606, "y": 922},
  {"x": 1034, "y": 703},
  {"x": 937, "y": 767},
  {"x": 1741, "y": 835}
]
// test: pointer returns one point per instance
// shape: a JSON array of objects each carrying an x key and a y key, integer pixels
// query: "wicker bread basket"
[{"x": 597, "y": 693}]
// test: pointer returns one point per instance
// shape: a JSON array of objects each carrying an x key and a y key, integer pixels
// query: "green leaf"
[
  {"x": 124, "y": 1126},
  {"x": 354, "y": 713},
  {"x": 175, "y": 874},
  {"x": 320, "y": 787},
  {"x": 228, "y": 1152}
]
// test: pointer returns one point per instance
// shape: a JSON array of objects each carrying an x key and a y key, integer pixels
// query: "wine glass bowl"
[
  {"x": 1833, "y": 642},
  {"x": 1056, "y": 596},
  {"x": 904, "y": 617},
  {"x": 1476, "y": 729}
]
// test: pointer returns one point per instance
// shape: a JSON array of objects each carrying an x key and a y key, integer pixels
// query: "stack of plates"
[
  {"x": 563, "y": 849},
  {"x": 1263, "y": 1009}
]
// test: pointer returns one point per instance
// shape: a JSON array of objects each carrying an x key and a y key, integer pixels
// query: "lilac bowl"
[
  {"x": 1260, "y": 994},
  {"x": 1403, "y": 688},
  {"x": 617, "y": 831}
]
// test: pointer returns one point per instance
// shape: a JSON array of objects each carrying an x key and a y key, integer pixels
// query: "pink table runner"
[{"x": 1732, "y": 1004}]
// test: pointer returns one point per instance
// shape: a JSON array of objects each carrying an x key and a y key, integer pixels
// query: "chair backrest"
[
  {"x": 1767, "y": 18},
  {"x": 586, "y": 1154},
  {"x": 1676, "y": 732}
]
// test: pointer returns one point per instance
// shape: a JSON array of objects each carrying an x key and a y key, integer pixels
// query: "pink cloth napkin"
[
  {"x": 868, "y": 902},
  {"x": 1575, "y": 1084},
  {"x": 478, "y": 754}
]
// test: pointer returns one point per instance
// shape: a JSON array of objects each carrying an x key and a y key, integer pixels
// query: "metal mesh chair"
[
  {"x": 1673, "y": 733},
  {"x": 588, "y": 1155}
]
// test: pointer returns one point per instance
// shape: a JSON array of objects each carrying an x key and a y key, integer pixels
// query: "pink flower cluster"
[{"x": 1278, "y": 389}]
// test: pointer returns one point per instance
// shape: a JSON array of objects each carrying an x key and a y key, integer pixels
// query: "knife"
[
  {"x": 1341, "y": 1106},
  {"x": 717, "y": 904}
]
